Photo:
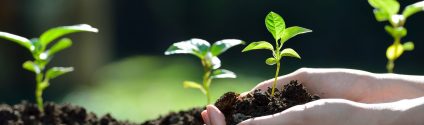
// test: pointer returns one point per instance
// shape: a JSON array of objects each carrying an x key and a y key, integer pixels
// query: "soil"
[
  {"x": 237, "y": 109},
  {"x": 188, "y": 117},
  {"x": 234, "y": 107},
  {"x": 28, "y": 114}
]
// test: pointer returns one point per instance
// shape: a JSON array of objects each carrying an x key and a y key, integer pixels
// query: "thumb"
[{"x": 215, "y": 117}]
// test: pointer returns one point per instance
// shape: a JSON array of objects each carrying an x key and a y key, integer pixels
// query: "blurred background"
[{"x": 122, "y": 70}]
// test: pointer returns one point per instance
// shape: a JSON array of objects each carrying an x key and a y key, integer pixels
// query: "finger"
[
  {"x": 215, "y": 116},
  {"x": 205, "y": 117}
]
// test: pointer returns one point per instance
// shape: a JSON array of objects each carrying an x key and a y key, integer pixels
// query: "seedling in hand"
[
  {"x": 277, "y": 27},
  {"x": 42, "y": 55},
  {"x": 208, "y": 55},
  {"x": 387, "y": 10}
]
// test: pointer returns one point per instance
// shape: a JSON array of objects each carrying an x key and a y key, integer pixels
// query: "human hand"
[
  {"x": 320, "y": 112},
  {"x": 354, "y": 85},
  {"x": 344, "y": 84},
  {"x": 335, "y": 112}
]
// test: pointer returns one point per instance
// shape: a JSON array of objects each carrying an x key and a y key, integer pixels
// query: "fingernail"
[{"x": 205, "y": 117}]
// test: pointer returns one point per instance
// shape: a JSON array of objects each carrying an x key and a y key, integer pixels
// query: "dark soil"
[
  {"x": 237, "y": 109},
  {"x": 189, "y": 117},
  {"x": 28, "y": 114}
]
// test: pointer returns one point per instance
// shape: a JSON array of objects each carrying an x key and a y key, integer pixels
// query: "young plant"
[
  {"x": 387, "y": 10},
  {"x": 277, "y": 27},
  {"x": 209, "y": 57},
  {"x": 42, "y": 56}
]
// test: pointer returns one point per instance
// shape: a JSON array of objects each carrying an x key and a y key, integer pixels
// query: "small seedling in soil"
[
  {"x": 208, "y": 55},
  {"x": 42, "y": 56},
  {"x": 387, "y": 10},
  {"x": 255, "y": 104},
  {"x": 277, "y": 27}
]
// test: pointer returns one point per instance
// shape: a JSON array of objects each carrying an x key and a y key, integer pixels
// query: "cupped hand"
[
  {"x": 349, "y": 90},
  {"x": 320, "y": 112}
]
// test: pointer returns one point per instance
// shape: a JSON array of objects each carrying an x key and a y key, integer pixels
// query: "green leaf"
[
  {"x": 389, "y": 6},
  {"x": 291, "y": 32},
  {"x": 275, "y": 24},
  {"x": 270, "y": 61},
  {"x": 258, "y": 45},
  {"x": 57, "y": 32},
  {"x": 381, "y": 15},
  {"x": 408, "y": 46},
  {"x": 31, "y": 66},
  {"x": 197, "y": 47},
  {"x": 412, "y": 9},
  {"x": 57, "y": 71},
  {"x": 194, "y": 85},
  {"x": 289, "y": 52},
  {"x": 223, "y": 45},
  {"x": 396, "y": 32},
  {"x": 394, "y": 51},
  {"x": 18, "y": 39},
  {"x": 223, "y": 73},
  {"x": 59, "y": 46}
]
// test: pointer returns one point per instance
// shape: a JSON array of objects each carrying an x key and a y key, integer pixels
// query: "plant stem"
[
  {"x": 39, "y": 92},
  {"x": 275, "y": 79},
  {"x": 390, "y": 66},
  {"x": 277, "y": 59},
  {"x": 207, "y": 79},
  {"x": 206, "y": 83},
  {"x": 391, "y": 63}
]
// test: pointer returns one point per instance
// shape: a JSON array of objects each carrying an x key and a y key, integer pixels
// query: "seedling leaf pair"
[
  {"x": 42, "y": 55},
  {"x": 276, "y": 26},
  {"x": 208, "y": 55}
]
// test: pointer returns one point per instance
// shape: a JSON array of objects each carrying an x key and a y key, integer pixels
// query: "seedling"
[
  {"x": 209, "y": 57},
  {"x": 387, "y": 10},
  {"x": 42, "y": 56},
  {"x": 277, "y": 27}
]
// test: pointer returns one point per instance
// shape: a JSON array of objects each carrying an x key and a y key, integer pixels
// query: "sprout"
[
  {"x": 42, "y": 55},
  {"x": 277, "y": 27},
  {"x": 387, "y": 10},
  {"x": 208, "y": 55}
]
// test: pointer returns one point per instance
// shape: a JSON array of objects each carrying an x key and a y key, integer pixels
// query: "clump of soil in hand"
[
  {"x": 237, "y": 109},
  {"x": 189, "y": 117},
  {"x": 28, "y": 114}
]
